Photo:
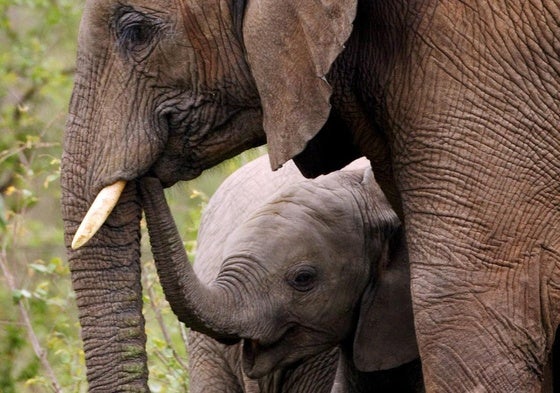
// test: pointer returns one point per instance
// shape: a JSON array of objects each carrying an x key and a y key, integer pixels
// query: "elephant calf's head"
[{"x": 300, "y": 266}]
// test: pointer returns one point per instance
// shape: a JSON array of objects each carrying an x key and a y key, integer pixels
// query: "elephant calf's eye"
[{"x": 302, "y": 278}]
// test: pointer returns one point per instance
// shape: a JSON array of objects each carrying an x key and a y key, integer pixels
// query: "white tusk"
[{"x": 100, "y": 209}]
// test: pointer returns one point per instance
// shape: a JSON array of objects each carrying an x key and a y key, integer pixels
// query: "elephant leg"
[
  {"x": 484, "y": 254},
  {"x": 483, "y": 325},
  {"x": 213, "y": 367},
  {"x": 315, "y": 374},
  {"x": 481, "y": 221}
]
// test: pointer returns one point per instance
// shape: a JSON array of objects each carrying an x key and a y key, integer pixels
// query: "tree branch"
[
  {"x": 161, "y": 322},
  {"x": 24, "y": 316}
]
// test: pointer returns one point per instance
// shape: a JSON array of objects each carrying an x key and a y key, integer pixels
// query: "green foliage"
[
  {"x": 40, "y": 348},
  {"x": 35, "y": 78},
  {"x": 36, "y": 303}
]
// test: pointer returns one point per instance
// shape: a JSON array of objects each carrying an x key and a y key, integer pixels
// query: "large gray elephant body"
[
  {"x": 455, "y": 104},
  {"x": 255, "y": 189}
]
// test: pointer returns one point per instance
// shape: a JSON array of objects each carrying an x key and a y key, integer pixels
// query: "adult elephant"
[{"x": 455, "y": 103}]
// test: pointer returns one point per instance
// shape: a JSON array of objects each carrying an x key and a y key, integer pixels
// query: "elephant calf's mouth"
[
  {"x": 260, "y": 358},
  {"x": 257, "y": 359}
]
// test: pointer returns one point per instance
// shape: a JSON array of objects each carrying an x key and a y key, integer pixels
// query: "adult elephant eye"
[
  {"x": 136, "y": 34},
  {"x": 135, "y": 31},
  {"x": 303, "y": 278}
]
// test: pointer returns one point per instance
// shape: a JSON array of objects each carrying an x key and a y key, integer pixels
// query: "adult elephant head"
[
  {"x": 162, "y": 87},
  {"x": 455, "y": 104}
]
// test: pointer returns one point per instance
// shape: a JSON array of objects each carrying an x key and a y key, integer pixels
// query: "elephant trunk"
[
  {"x": 209, "y": 310},
  {"x": 106, "y": 280}
]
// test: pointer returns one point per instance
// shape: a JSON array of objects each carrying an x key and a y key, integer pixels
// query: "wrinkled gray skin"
[
  {"x": 455, "y": 103},
  {"x": 216, "y": 367},
  {"x": 254, "y": 190}
]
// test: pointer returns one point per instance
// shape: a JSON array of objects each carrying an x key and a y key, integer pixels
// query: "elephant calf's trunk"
[{"x": 198, "y": 307}]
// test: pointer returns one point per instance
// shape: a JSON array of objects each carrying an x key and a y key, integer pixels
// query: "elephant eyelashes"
[
  {"x": 135, "y": 30},
  {"x": 302, "y": 278}
]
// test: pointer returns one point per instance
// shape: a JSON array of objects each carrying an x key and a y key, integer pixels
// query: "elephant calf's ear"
[
  {"x": 385, "y": 336},
  {"x": 291, "y": 46}
]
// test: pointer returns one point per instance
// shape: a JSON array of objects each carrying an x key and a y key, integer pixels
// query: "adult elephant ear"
[{"x": 291, "y": 45}]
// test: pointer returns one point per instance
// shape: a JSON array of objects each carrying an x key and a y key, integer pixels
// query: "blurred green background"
[{"x": 40, "y": 349}]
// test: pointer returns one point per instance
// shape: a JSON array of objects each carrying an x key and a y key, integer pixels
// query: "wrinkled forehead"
[
  {"x": 306, "y": 205},
  {"x": 205, "y": 20},
  {"x": 146, "y": 4},
  {"x": 299, "y": 222},
  {"x": 205, "y": 8},
  {"x": 99, "y": 15}
]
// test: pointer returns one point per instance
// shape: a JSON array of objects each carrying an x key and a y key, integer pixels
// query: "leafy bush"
[{"x": 40, "y": 349}]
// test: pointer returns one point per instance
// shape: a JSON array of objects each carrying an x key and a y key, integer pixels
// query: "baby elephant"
[{"x": 324, "y": 261}]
